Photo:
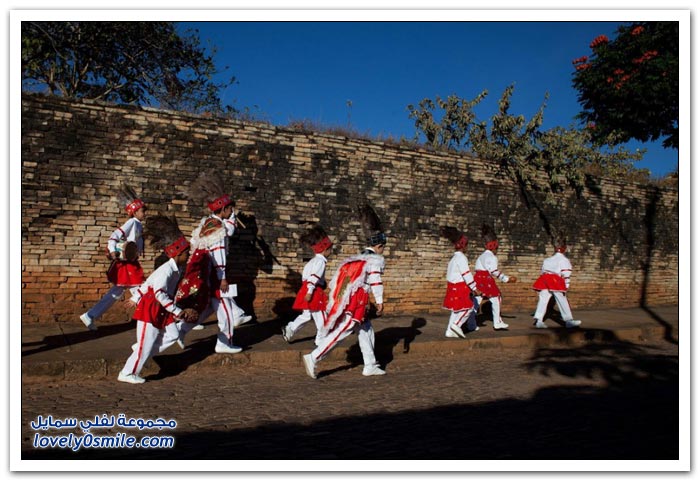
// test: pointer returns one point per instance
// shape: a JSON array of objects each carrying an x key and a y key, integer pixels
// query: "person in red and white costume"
[
  {"x": 125, "y": 270},
  {"x": 460, "y": 286},
  {"x": 212, "y": 234},
  {"x": 156, "y": 312},
  {"x": 311, "y": 298},
  {"x": 349, "y": 297},
  {"x": 555, "y": 280},
  {"x": 487, "y": 271}
]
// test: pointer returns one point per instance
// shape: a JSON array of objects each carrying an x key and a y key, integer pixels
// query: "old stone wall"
[{"x": 623, "y": 238}]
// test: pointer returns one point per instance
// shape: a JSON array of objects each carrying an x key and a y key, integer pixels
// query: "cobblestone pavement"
[{"x": 598, "y": 401}]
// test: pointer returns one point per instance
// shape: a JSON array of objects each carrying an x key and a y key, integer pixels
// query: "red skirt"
[
  {"x": 457, "y": 297},
  {"x": 125, "y": 274},
  {"x": 552, "y": 282},
  {"x": 318, "y": 302},
  {"x": 486, "y": 284},
  {"x": 151, "y": 311}
]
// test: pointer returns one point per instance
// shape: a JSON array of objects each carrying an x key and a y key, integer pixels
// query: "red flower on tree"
[
  {"x": 599, "y": 40},
  {"x": 637, "y": 30}
]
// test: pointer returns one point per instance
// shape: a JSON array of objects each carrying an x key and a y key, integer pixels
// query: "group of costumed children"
[{"x": 189, "y": 282}]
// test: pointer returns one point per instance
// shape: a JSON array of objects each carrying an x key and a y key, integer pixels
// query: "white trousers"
[
  {"x": 319, "y": 318},
  {"x": 495, "y": 307},
  {"x": 365, "y": 337},
  {"x": 149, "y": 340},
  {"x": 228, "y": 316},
  {"x": 458, "y": 318},
  {"x": 562, "y": 302},
  {"x": 107, "y": 301}
]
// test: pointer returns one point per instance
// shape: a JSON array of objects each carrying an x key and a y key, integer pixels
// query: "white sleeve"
[
  {"x": 230, "y": 224},
  {"x": 120, "y": 234},
  {"x": 316, "y": 268},
  {"x": 160, "y": 287},
  {"x": 463, "y": 266},
  {"x": 566, "y": 271},
  {"x": 492, "y": 266}
]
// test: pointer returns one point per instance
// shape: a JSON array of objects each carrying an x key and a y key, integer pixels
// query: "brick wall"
[{"x": 623, "y": 238}]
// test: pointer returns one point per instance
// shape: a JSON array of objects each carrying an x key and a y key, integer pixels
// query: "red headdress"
[
  {"x": 129, "y": 199},
  {"x": 317, "y": 239}
]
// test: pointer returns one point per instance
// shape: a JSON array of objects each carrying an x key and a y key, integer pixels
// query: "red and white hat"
[
  {"x": 180, "y": 245},
  {"x": 133, "y": 206},
  {"x": 219, "y": 203}
]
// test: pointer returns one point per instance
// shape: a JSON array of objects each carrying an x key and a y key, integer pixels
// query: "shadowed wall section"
[{"x": 623, "y": 237}]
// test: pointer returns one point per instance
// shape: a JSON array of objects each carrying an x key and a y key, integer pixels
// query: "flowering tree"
[{"x": 628, "y": 86}]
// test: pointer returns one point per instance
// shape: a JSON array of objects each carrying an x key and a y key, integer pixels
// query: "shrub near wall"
[{"x": 623, "y": 238}]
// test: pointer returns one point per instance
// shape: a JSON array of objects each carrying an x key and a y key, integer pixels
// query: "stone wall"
[{"x": 623, "y": 238}]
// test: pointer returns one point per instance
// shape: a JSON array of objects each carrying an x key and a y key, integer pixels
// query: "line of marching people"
[{"x": 189, "y": 282}]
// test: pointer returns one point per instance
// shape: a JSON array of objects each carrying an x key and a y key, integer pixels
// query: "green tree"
[
  {"x": 539, "y": 161},
  {"x": 628, "y": 87},
  {"x": 457, "y": 118},
  {"x": 145, "y": 63}
]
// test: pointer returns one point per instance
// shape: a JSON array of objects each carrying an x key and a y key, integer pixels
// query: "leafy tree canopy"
[
  {"x": 145, "y": 63},
  {"x": 628, "y": 86},
  {"x": 537, "y": 160}
]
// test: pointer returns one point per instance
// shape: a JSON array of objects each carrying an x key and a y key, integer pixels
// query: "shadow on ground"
[{"x": 633, "y": 416}]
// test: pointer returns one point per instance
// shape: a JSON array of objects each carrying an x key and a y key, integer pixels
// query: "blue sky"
[{"x": 302, "y": 70}]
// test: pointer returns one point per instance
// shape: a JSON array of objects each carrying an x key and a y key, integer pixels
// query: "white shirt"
[
  {"x": 558, "y": 264},
  {"x": 489, "y": 262},
  {"x": 314, "y": 273},
  {"x": 458, "y": 270},
  {"x": 164, "y": 282},
  {"x": 132, "y": 230}
]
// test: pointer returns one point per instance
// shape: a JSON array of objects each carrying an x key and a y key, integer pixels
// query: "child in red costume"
[
  {"x": 124, "y": 247},
  {"x": 349, "y": 298},
  {"x": 156, "y": 311},
  {"x": 460, "y": 286},
  {"x": 486, "y": 271},
  {"x": 554, "y": 281},
  {"x": 311, "y": 299}
]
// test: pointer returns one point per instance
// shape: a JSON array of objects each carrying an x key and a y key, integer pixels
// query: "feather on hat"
[
  {"x": 489, "y": 237},
  {"x": 454, "y": 235},
  {"x": 164, "y": 234},
  {"x": 372, "y": 226},
  {"x": 208, "y": 189},
  {"x": 129, "y": 199}
]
